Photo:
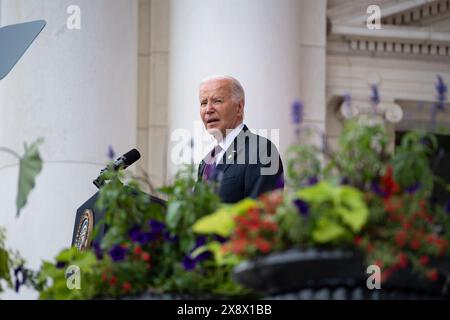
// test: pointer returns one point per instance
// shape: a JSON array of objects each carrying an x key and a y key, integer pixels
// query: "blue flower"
[
  {"x": 145, "y": 237},
  {"x": 313, "y": 180},
  {"x": 188, "y": 263},
  {"x": 98, "y": 250},
  {"x": 169, "y": 237},
  {"x": 117, "y": 253},
  {"x": 297, "y": 112},
  {"x": 447, "y": 207},
  {"x": 156, "y": 226},
  {"x": 413, "y": 188},
  {"x": 134, "y": 233},
  {"x": 376, "y": 189},
  {"x": 302, "y": 206},
  {"x": 280, "y": 183},
  {"x": 375, "y": 98},
  {"x": 203, "y": 256},
  {"x": 20, "y": 280},
  {"x": 111, "y": 154},
  {"x": 441, "y": 90},
  {"x": 220, "y": 239},
  {"x": 200, "y": 241}
]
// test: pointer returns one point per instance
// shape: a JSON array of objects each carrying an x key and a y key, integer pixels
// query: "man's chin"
[{"x": 216, "y": 133}]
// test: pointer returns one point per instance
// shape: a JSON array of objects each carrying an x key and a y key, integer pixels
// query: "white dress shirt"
[{"x": 227, "y": 141}]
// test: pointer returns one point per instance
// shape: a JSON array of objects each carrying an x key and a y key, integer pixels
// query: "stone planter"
[{"x": 332, "y": 274}]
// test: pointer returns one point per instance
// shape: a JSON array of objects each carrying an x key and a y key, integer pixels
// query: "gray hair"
[{"x": 237, "y": 91}]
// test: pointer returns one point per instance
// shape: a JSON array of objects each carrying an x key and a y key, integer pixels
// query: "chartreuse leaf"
[
  {"x": 220, "y": 257},
  {"x": 29, "y": 167},
  {"x": 327, "y": 231},
  {"x": 4, "y": 266},
  {"x": 353, "y": 209},
  {"x": 220, "y": 222},
  {"x": 318, "y": 193}
]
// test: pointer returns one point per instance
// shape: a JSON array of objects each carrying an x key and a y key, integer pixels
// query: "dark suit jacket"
[{"x": 251, "y": 166}]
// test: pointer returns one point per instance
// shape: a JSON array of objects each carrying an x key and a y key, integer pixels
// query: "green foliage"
[
  {"x": 362, "y": 153},
  {"x": 29, "y": 167},
  {"x": 302, "y": 163},
  {"x": 59, "y": 289},
  {"x": 411, "y": 160},
  {"x": 4, "y": 260},
  {"x": 337, "y": 212}
]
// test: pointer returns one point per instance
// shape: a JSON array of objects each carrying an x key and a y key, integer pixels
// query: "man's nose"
[{"x": 209, "y": 108}]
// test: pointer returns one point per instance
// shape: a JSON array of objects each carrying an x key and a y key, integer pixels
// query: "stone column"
[
  {"x": 275, "y": 48},
  {"x": 78, "y": 90}
]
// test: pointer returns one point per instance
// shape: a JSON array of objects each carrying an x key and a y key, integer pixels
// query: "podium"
[{"x": 88, "y": 216}]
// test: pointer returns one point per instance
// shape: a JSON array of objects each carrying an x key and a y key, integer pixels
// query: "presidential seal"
[{"x": 84, "y": 231}]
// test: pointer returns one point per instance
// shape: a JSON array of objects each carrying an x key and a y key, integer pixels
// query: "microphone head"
[{"x": 131, "y": 157}]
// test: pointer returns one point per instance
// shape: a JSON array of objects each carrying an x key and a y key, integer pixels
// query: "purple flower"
[
  {"x": 117, "y": 253},
  {"x": 188, "y": 263},
  {"x": 297, "y": 112},
  {"x": 156, "y": 226},
  {"x": 98, "y": 250},
  {"x": 313, "y": 180},
  {"x": 220, "y": 239},
  {"x": 203, "y": 256},
  {"x": 169, "y": 237},
  {"x": 60, "y": 265},
  {"x": 200, "y": 241},
  {"x": 376, "y": 189},
  {"x": 20, "y": 275},
  {"x": 280, "y": 183},
  {"x": 441, "y": 90},
  {"x": 345, "y": 181},
  {"x": 111, "y": 154},
  {"x": 134, "y": 233},
  {"x": 447, "y": 207},
  {"x": 413, "y": 188},
  {"x": 145, "y": 237},
  {"x": 302, "y": 206},
  {"x": 375, "y": 98}
]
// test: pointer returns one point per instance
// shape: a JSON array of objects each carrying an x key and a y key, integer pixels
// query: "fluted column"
[
  {"x": 275, "y": 48},
  {"x": 77, "y": 89}
]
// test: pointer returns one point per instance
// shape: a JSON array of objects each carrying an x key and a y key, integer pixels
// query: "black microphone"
[{"x": 122, "y": 162}]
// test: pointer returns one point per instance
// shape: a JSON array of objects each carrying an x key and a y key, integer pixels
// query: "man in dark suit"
[{"x": 242, "y": 163}]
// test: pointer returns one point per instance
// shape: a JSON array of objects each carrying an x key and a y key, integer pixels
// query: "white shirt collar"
[
  {"x": 229, "y": 138},
  {"x": 227, "y": 141}
]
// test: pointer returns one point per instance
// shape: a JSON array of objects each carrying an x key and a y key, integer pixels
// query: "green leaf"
[
  {"x": 221, "y": 222},
  {"x": 353, "y": 210},
  {"x": 29, "y": 167},
  {"x": 4, "y": 265},
  {"x": 327, "y": 231}
]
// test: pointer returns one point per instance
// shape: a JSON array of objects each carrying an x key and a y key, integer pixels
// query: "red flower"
[
  {"x": 402, "y": 260},
  {"x": 113, "y": 280},
  {"x": 357, "y": 240},
  {"x": 414, "y": 244},
  {"x": 262, "y": 245},
  {"x": 137, "y": 250},
  {"x": 407, "y": 226},
  {"x": 126, "y": 287},
  {"x": 104, "y": 277},
  {"x": 370, "y": 247},
  {"x": 424, "y": 260},
  {"x": 432, "y": 275},
  {"x": 400, "y": 238},
  {"x": 389, "y": 185},
  {"x": 146, "y": 256}
]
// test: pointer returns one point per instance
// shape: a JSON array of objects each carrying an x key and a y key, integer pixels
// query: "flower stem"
[{"x": 11, "y": 152}]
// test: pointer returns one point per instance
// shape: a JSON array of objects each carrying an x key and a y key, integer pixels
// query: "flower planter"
[{"x": 331, "y": 274}]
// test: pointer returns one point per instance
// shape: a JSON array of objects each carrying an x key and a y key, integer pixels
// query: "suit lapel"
[{"x": 231, "y": 154}]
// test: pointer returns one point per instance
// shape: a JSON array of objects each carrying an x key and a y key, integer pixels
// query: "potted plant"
[{"x": 361, "y": 206}]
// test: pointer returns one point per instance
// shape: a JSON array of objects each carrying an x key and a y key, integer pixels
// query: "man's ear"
[{"x": 241, "y": 108}]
